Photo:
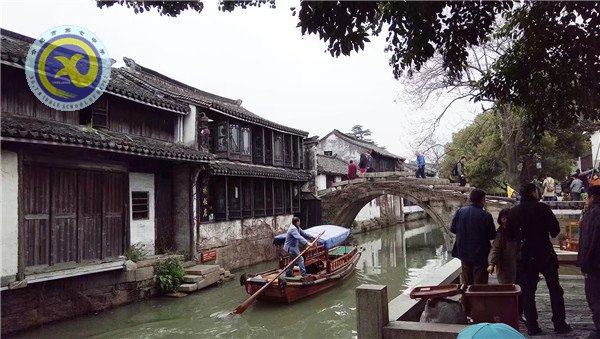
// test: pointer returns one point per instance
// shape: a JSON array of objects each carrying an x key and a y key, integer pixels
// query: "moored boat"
[{"x": 327, "y": 263}]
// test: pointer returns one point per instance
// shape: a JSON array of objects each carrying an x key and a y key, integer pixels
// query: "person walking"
[
  {"x": 538, "y": 184},
  {"x": 504, "y": 252},
  {"x": 548, "y": 186},
  {"x": 588, "y": 256},
  {"x": 362, "y": 163},
  {"x": 369, "y": 162},
  {"x": 294, "y": 236},
  {"x": 352, "y": 170},
  {"x": 460, "y": 171},
  {"x": 474, "y": 228},
  {"x": 420, "y": 165},
  {"x": 576, "y": 188},
  {"x": 536, "y": 223},
  {"x": 595, "y": 179}
]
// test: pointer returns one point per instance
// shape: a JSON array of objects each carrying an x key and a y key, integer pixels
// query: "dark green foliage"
[
  {"x": 169, "y": 274},
  {"x": 360, "y": 133},
  {"x": 135, "y": 252},
  {"x": 551, "y": 70},
  {"x": 168, "y": 8},
  {"x": 487, "y": 166}
]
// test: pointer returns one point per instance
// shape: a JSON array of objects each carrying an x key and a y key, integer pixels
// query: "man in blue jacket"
[
  {"x": 420, "y": 165},
  {"x": 474, "y": 228},
  {"x": 295, "y": 235},
  {"x": 588, "y": 257}
]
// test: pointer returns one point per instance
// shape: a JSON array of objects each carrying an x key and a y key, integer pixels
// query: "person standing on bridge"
[
  {"x": 459, "y": 171},
  {"x": 576, "y": 188},
  {"x": 362, "y": 163},
  {"x": 474, "y": 228},
  {"x": 420, "y": 165},
  {"x": 548, "y": 186},
  {"x": 369, "y": 162},
  {"x": 588, "y": 257},
  {"x": 352, "y": 170},
  {"x": 535, "y": 222}
]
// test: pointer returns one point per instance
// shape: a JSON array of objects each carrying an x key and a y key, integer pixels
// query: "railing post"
[{"x": 371, "y": 311}]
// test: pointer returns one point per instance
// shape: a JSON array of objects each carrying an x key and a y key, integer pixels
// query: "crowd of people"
[
  {"x": 521, "y": 250},
  {"x": 571, "y": 189}
]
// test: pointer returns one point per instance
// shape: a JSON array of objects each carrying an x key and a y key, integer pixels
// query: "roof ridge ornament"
[{"x": 131, "y": 64}]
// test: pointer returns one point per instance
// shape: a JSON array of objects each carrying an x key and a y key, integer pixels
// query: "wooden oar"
[{"x": 243, "y": 306}]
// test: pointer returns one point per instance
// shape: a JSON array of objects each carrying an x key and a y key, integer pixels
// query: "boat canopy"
[{"x": 333, "y": 236}]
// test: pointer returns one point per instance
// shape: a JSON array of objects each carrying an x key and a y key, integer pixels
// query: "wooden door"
[
  {"x": 90, "y": 214},
  {"x": 114, "y": 215},
  {"x": 36, "y": 215},
  {"x": 63, "y": 233}
]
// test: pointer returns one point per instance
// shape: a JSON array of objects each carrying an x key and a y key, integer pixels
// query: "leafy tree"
[
  {"x": 488, "y": 165},
  {"x": 552, "y": 70},
  {"x": 360, "y": 133}
]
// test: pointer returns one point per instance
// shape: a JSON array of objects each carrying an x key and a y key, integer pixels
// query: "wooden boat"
[{"x": 328, "y": 263}]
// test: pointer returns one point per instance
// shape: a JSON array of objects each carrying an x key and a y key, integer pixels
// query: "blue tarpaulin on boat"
[{"x": 333, "y": 236}]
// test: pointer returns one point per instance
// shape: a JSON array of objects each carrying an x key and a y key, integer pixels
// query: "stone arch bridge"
[{"x": 437, "y": 197}]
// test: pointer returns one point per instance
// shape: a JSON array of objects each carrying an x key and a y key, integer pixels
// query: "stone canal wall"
[
  {"x": 43, "y": 302},
  {"x": 241, "y": 243}
]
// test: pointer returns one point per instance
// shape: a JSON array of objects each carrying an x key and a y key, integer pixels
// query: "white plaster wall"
[
  {"x": 143, "y": 231},
  {"x": 595, "y": 139},
  {"x": 189, "y": 127},
  {"x": 337, "y": 179},
  {"x": 344, "y": 150},
  {"x": 321, "y": 182},
  {"x": 369, "y": 211},
  {"x": 10, "y": 223},
  {"x": 219, "y": 233}
]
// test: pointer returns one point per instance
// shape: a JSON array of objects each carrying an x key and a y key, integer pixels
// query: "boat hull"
[{"x": 290, "y": 291}]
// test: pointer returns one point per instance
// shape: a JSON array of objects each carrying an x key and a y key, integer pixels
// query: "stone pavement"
[{"x": 578, "y": 313}]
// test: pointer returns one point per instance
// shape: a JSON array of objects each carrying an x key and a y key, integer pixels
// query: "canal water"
[{"x": 393, "y": 256}]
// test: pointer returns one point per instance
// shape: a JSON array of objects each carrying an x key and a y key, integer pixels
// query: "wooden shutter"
[
  {"x": 36, "y": 215},
  {"x": 90, "y": 214},
  {"x": 64, "y": 216},
  {"x": 114, "y": 221}
]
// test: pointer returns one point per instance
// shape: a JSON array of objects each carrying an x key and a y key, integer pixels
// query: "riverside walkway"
[{"x": 398, "y": 318}]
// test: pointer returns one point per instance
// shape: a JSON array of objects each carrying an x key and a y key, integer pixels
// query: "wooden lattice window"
[{"x": 140, "y": 205}]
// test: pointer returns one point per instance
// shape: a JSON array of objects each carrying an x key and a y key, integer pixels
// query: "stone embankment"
[{"x": 200, "y": 276}]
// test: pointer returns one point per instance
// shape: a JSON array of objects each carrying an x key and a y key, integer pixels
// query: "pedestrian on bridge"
[
  {"x": 576, "y": 188},
  {"x": 549, "y": 193},
  {"x": 536, "y": 223},
  {"x": 474, "y": 228},
  {"x": 588, "y": 256},
  {"x": 420, "y": 165},
  {"x": 352, "y": 170}
]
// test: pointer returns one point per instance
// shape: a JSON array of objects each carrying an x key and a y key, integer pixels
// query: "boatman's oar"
[{"x": 243, "y": 306}]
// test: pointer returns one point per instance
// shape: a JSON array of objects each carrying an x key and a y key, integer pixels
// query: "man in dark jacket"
[
  {"x": 535, "y": 221},
  {"x": 588, "y": 256},
  {"x": 474, "y": 228}
]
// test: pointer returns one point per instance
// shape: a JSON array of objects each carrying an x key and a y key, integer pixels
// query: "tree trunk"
[{"x": 510, "y": 132}]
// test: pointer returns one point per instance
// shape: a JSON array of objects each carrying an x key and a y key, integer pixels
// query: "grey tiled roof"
[
  {"x": 366, "y": 145},
  {"x": 29, "y": 129},
  {"x": 15, "y": 47},
  {"x": 202, "y": 98},
  {"x": 331, "y": 165},
  {"x": 250, "y": 170}
]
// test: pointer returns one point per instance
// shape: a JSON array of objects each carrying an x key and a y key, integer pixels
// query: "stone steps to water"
[{"x": 200, "y": 276}]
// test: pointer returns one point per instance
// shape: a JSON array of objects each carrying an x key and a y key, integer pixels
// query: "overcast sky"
[{"x": 259, "y": 56}]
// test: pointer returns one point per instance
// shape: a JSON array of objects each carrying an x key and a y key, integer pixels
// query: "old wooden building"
[{"x": 153, "y": 161}]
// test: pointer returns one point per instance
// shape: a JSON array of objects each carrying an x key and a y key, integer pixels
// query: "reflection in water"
[{"x": 394, "y": 257}]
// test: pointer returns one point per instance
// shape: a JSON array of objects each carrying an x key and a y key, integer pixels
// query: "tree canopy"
[
  {"x": 360, "y": 133},
  {"x": 488, "y": 166},
  {"x": 552, "y": 70}
]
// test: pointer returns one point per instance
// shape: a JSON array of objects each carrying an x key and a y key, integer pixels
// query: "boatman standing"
[{"x": 295, "y": 235}]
